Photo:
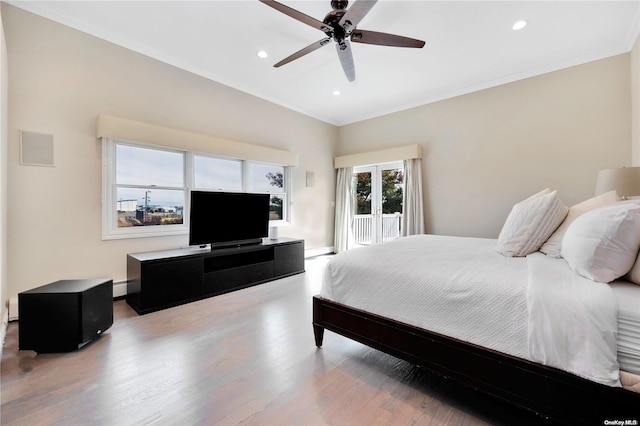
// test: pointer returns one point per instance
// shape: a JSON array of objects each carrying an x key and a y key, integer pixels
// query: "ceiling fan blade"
[
  {"x": 346, "y": 59},
  {"x": 356, "y": 12},
  {"x": 384, "y": 39},
  {"x": 306, "y": 19},
  {"x": 314, "y": 46}
]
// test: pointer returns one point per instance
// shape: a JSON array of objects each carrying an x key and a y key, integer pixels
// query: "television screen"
[{"x": 228, "y": 218}]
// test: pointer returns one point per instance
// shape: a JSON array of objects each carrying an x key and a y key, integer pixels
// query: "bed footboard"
[{"x": 551, "y": 393}]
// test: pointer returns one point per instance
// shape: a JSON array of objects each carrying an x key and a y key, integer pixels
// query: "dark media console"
[{"x": 162, "y": 279}]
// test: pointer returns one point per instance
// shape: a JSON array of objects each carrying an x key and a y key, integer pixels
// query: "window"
[
  {"x": 378, "y": 202},
  {"x": 145, "y": 188},
  {"x": 144, "y": 191},
  {"x": 215, "y": 173},
  {"x": 271, "y": 178}
]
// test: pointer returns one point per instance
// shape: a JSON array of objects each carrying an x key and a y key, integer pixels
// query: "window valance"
[
  {"x": 400, "y": 153},
  {"x": 129, "y": 130}
]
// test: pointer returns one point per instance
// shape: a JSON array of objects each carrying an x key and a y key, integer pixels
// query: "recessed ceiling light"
[
  {"x": 336, "y": 93},
  {"x": 262, "y": 54},
  {"x": 519, "y": 25}
]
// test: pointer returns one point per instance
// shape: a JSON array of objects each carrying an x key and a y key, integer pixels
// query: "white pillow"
[
  {"x": 634, "y": 273},
  {"x": 530, "y": 223},
  {"x": 603, "y": 244},
  {"x": 553, "y": 246}
]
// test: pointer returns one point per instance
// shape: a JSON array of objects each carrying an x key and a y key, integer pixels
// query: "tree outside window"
[{"x": 392, "y": 191}]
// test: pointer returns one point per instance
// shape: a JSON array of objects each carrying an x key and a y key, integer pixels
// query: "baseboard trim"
[
  {"x": 3, "y": 329},
  {"x": 13, "y": 313},
  {"x": 318, "y": 251},
  {"x": 119, "y": 289}
]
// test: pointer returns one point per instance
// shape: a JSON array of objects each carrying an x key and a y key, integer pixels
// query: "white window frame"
[
  {"x": 286, "y": 190},
  {"x": 191, "y": 172},
  {"x": 111, "y": 231},
  {"x": 376, "y": 195}
]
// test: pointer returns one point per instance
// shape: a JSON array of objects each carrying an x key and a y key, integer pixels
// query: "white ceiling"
[{"x": 469, "y": 46}]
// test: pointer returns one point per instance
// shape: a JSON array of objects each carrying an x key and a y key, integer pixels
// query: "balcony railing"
[{"x": 363, "y": 224}]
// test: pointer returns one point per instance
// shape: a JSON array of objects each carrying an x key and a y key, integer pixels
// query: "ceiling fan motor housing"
[
  {"x": 333, "y": 20},
  {"x": 339, "y": 4}
]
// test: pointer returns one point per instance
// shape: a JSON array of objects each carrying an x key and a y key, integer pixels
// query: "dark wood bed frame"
[{"x": 551, "y": 393}]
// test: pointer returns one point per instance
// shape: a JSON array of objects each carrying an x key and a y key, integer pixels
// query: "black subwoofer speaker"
[{"x": 65, "y": 315}]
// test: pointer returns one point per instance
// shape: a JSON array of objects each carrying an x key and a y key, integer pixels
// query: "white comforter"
[
  {"x": 573, "y": 321},
  {"x": 462, "y": 288},
  {"x": 455, "y": 286}
]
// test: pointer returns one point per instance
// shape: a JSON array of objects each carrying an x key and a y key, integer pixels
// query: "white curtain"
[
  {"x": 412, "y": 207},
  {"x": 344, "y": 210}
]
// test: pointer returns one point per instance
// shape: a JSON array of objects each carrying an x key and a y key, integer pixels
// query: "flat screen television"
[{"x": 225, "y": 219}]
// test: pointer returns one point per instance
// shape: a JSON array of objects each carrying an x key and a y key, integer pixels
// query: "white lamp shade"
[{"x": 625, "y": 181}]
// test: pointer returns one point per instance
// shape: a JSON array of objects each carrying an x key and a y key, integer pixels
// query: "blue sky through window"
[{"x": 152, "y": 167}]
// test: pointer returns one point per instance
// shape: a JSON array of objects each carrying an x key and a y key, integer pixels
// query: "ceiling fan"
[{"x": 339, "y": 25}]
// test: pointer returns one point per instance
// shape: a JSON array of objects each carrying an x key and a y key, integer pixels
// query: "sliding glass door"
[{"x": 378, "y": 193}]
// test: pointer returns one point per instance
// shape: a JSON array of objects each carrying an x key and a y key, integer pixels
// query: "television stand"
[{"x": 162, "y": 279}]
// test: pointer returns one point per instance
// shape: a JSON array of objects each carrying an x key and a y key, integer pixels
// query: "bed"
[{"x": 527, "y": 329}]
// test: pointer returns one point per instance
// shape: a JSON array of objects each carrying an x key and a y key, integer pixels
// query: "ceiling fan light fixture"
[
  {"x": 262, "y": 54},
  {"x": 336, "y": 93},
  {"x": 519, "y": 25},
  {"x": 339, "y": 25}
]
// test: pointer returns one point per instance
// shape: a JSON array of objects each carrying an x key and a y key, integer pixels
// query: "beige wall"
[
  {"x": 60, "y": 80},
  {"x": 3, "y": 181},
  {"x": 484, "y": 151},
  {"x": 635, "y": 103}
]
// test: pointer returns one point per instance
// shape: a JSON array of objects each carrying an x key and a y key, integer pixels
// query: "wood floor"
[{"x": 246, "y": 357}]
